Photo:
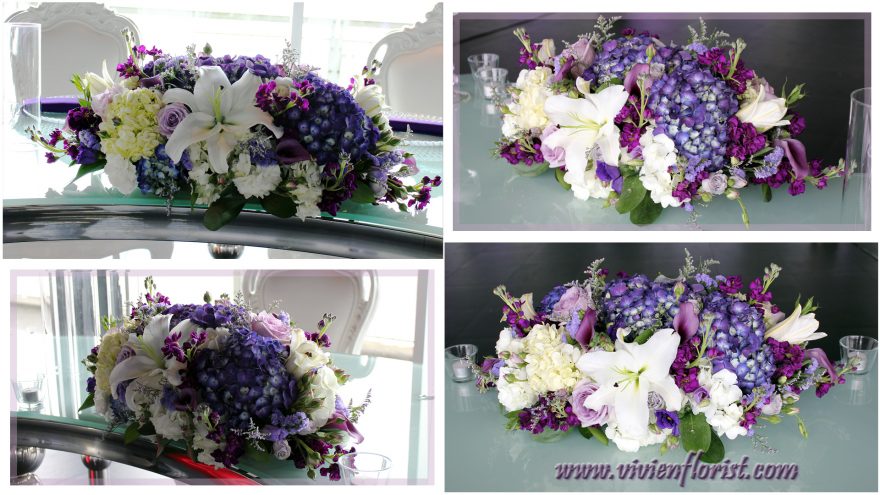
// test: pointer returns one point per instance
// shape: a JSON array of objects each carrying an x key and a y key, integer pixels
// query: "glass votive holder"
[
  {"x": 493, "y": 81},
  {"x": 459, "y": 361},
  {"x": 862, "y": 349},
  {"x": 29, "y": 392},
  {"x": 365, "y": 468},
  {"x": 479, "y": 61}
]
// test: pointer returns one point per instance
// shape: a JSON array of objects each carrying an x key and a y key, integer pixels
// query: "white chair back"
[
  {"x": 412, "y": 66},
  {"x": 77, "y": 37},
  {"x": 350, "y": 296}
]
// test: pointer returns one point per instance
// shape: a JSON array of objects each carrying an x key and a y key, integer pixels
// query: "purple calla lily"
[
  {"x": 797, "y": 156},
  {"x": 290, "y": 150},
  {"x": 819, "y": 355},
  {"x": 686, "y": 322},
  {"x": 584, "y": 333},
  {"x": 630, "y": 83},
  {"x": 339, "y": 422}
]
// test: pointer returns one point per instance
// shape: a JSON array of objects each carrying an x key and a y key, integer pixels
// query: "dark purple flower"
[
  {"x": 610, "y": 173},
  {"x": 686, "y": 322},
  {"x": 797, "y": 124},
  {"x": 584, "y": 333},
  {"x": 290, "y": 150},
  {"x": 731, "y": 285},
  {"x": 797, "y": 187},
  {"x": 667, "y": 420},
  {"x": 797, "y": 156},
  {"x": 90, "y": 384}
]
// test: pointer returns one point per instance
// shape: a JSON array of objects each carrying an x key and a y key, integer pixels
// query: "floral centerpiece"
[
  {"x": 647, "y": 126},
  {"x": 228, "y": 130},
  {"x": 679, "y": 361},
  {"x": 225, "y": 380}
]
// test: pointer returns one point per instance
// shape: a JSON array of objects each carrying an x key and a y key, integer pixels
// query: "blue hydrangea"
[
  {"x": 692, "y": 106},
  {"x": 159, "y": 175},
  {"x": 637, "y": 303},
  {"x": 739, "y": 336},
  {"x": 617, "y": 56},
  {"x": 246, "y": 381},
  {"x": 333, "y": 124}
]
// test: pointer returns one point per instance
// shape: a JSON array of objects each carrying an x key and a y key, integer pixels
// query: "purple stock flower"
[{"x": 797, "y": 124}]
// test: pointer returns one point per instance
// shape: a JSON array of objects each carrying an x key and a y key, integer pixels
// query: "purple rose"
[
  {"x": 715, "y": 184},
  {"x": 583, "y": 55},
  {"x": 575, "y": 298},
  {"x": 267, "y": 325},
  {"x": 587, "y": 416},
  {"x": 170, "y": 116}
]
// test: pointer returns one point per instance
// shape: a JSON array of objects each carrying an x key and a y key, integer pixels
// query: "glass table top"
[
  {"x": 395, "y": 424},
  {"x": 839, "y": 455},
  {"x": 490, "y": 195},
  {"x": 32, "y": 185}
]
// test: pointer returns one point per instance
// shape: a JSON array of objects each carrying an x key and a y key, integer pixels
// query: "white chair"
[
  {"x": 412, "y": 66},
  {"x": 350, "y": 296},
  {"x": 77, "y": 37}
]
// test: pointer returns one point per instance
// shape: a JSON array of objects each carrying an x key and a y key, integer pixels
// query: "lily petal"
[
  {"x": 194, "y": 128},
  {"x": 156, "y": 332},
  {"x": 177, "y": 95},
  {"x": 219, "y": 147},
  {"x": 128, "y": 369},
  {"x": 210, "y": 80},
  {"x": 250, "y": 116},
  {"x": 631, "y": 408},
  {"x": 598, "y": 365}
]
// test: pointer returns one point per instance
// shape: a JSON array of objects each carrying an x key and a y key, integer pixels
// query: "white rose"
[
  {"x": 306, "y": 357},
  {"x": 215, "y": 338},
  {"x": 659, "y": 154},
  {"x": 324, "y": 387},
  {"x": 763, "y": 111},
  {"x": 122, "y": 173},
  {"x": 515, "y": 395}
]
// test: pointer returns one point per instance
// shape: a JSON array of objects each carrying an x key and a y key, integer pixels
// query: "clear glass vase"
[
  {"x": 20, "y": 69},
  {"x": 857, "y": 167}
]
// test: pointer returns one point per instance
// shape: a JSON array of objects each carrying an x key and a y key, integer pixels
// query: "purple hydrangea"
[
  {"x": 637, "y": 303},
  {"x": 617, "y": 56}
]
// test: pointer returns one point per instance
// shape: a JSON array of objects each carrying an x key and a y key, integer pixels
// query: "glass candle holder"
[
  {"x": 493, "y": 82},
  {"x": 29, "y": 392},
  {"x": 857, "y": 165},
  {"x": 860, "y": 348},
  {"x": 459, "y": 362},
  {"x": 364, "y": 468},
  {"x": 20, "y": 69},
  {"x": 479, "y": 61}
]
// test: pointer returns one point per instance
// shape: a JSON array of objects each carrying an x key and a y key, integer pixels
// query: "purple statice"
[
  {"x": 718, "y": 61},
  {"x": 692, "y": 106},
  {"x": 744, "y": 139},
  {"x": 797, "y": 124},
  {"x": 686, "y": 378},
  {"x": 636, "y": 303},
  {"x": 783, "y": 175},
  {"x": 667, "y": 420},
  {"x": 617, "y": 56},
  {"x": 159, "y": 174},
  {"x": 788, "y": 358},
  {"x": 516, "y": 152},
  {"x": 771, "y": 163},
  {"x": 738, "y": 334},
  {"x": 552, "y": 412},
  {"x": 246, "y": 381},
  {"x": 284, "y": 425},
  {"x": 332, "y": 124}
]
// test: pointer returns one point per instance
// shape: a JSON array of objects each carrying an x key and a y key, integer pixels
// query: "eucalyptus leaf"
[{"x": 631, "y": 195}]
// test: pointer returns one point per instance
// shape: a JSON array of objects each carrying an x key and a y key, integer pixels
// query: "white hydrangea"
[
  {"x": 167, "y": 423},
  {"x": 254, "y": 181},
  {"x": 659, "y": 154},
  {"x": 122, "y": 173},
  {"x": 550, "y": 362},
  {"x": 587, "y": 185},
  {"x": 508, "y": 342},
  {"x": 627, "y": 442},
  {"x": 527, "y": 107},
  {"x": 722, "y": 408}
]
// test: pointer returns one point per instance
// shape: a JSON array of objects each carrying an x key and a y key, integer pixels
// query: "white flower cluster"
[
  {"x": 722, "y": 407},
  {"x": 658, "y": 152},
  {"x": 306, "y": 356},
  {"x": 526, "y": 111},
  {"x": 308, "y": 188}
]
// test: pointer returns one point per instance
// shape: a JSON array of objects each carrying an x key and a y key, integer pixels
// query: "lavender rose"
[
  {"x": 267, "y": 325},
  {"x": 715, "y": 184},
  {"x": 281, "y": 449},
  {"x": 587, "y": 416},
  {"x": 170, "y": 116},
  {"x": 576, "y": 298},
  {"x": 554, "y": 156}
]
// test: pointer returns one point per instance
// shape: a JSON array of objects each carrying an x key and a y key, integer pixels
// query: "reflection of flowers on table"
[
  {"x": 645, "y": 126},
  {"x": 226, "y": 380},
  {"x": 679, "y": 362},
  {"x": 228, "y": 130}
]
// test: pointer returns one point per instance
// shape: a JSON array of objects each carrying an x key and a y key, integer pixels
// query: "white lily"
[
  {"x": 149, "y": 365},
  {"x": 586, "y": 124},
  {"x": 221, "y": 114},
  {"x": 797, "y": 328},
  {"x": 628, "y": 374}
]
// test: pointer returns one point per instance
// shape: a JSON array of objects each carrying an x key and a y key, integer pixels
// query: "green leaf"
[
  {"x": 280, "y": 206},
  {"x": 696, "y": 435},
  {"x": 802, "y": 427},
  {"x": 715, "y": 453},
  {"x": 646, "y": 213},
  {"x": 559, "y": 178},
  {"x": 585, "y": 432},
  {"x": 767, "y": 193},
  {"x": 644, "y": 336},
  {"x": 89, "y": 402},
  {"x": 223, "y": 211},
  {"x": 131, "y": 433},
  {"x": 631, "y": 195},
  {"x": 363, "y": 194},
  {"x": 88, "y": 169},
  {"x": 599, "y": 434},
  {"x": 147, "y": 429}
]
